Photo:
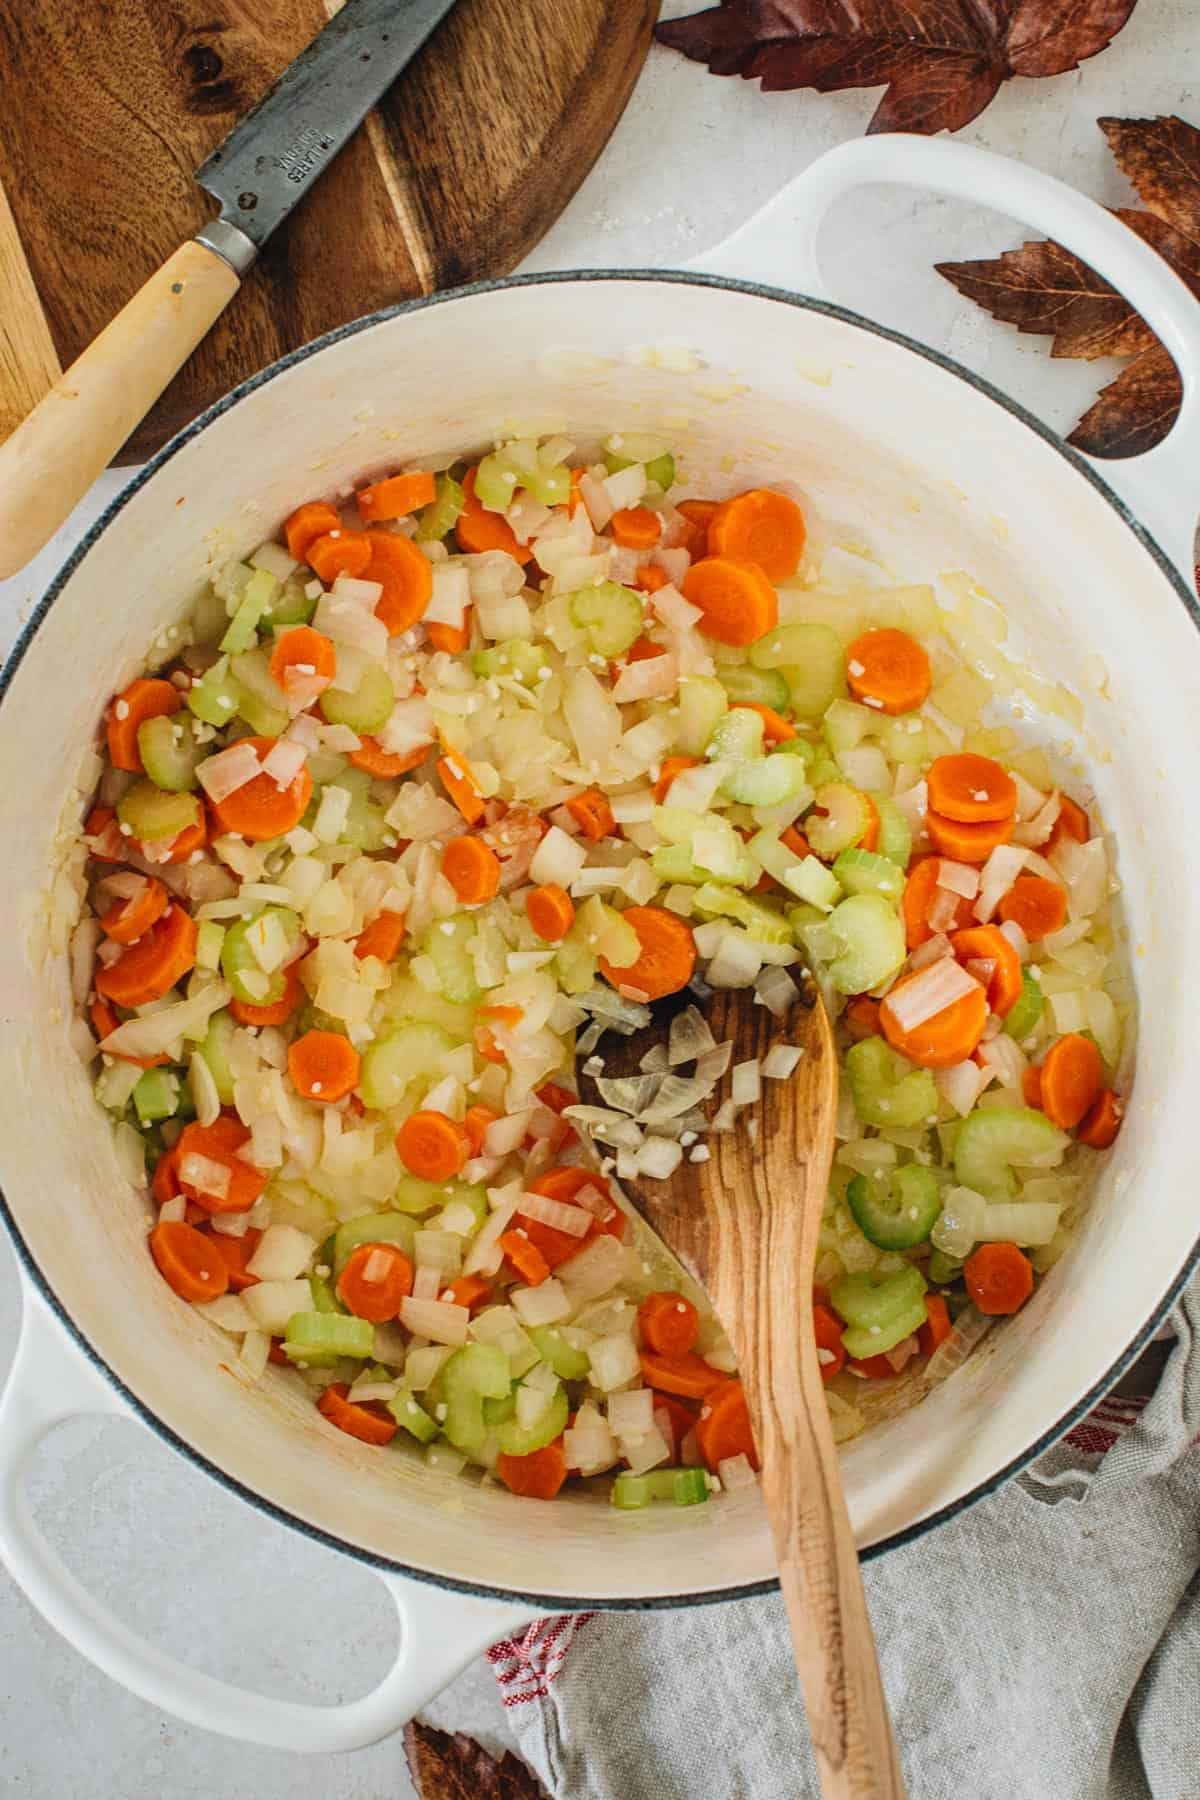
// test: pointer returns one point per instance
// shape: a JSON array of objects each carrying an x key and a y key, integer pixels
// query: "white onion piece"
[
  {"x": 366, "y": 594},
  {"x": 625, "y": 488},
  {"x": 574, "y": 1220},
  {"x": 557, "y": 859},
  {"x": 229, "y": 770},
  {"x": 595, "y": 497},
  {"x": 675, "y": 562},
  {"x": 282, "y": 1254},
  {"x": 161, "y": 1033},
  {"x": 969, "y": 1328},
  {"x": 503, "y": 1135},
  {"x": 776, "y": 989},
  {"x": 653, "y": 678},
  {"x": 437, "y": 1320},
  {"x": 1016, "y": 937},
  {"x": 929, "y": 993},
  {"x": 1030, "y": 799},
  {"x": 451, "y": 596},
  {"x": 959, "y": 878},
  {"x": 284, "y": 761},
  {"x": 659, "y": 1157},
  {"x": 205, "y": 1175},
  {"x": 999, "y": 872},
  {"x": 1084, "y": 869},
  {"x": 695, "y": 789},
  {"x": 781, "y": 1061},
  {"x": 746, "y": 1083},
  {"x": 1004, "y": 1056},
  {"x": 1036, "y": 830},
  {"x": 931, "y": 951},
  {"x": 735, "y": 1473},
  {"x": 942, "y": 910}
]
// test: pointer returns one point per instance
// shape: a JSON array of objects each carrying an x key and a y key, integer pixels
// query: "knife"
[{"x": 263, "y": 169}]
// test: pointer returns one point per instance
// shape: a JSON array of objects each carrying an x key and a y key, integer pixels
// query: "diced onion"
[
  {"x": 451, "y": 596},
  {"x": 595, "y": 497},
  {"x": 574, "y": 1220},
  {"x": 735, "y": 1472},
  {"x": 1005, "y": 1057},
  {"x": 504, "y": 1135},
  {"x": 205, "y": 1175},
  {"x": 961, "y": 1085},
  {"x": 284, "y": 761},
  {"x": 1084, "y": 869},
  {"x": 931, "y": 951},
  {"x": 999, "y": 872},
  {"x": 746, "y": 1082},
  {"x": 282, "y": 1254},
  {"x": 1034, "y": 831},
  {"x": 272, "y": 1303},
  {"x": 777, "y": 991},
  {"x": 557, "y": 859},
  {"x": 959, "y": 878},
  {"x": 781, "y": 1061},
  {"x": 624, "y": 489},
  {"x": 229, "y": 770},
  {"x": 652, "y": 678},
  {"x": 438, "y": 1320},
  {"x": 969, "y": 1329},
  {"x": 546, "y": 1304},
  {"x": 1016, "y": 937},
  {"x": 659, "y": 1157}
]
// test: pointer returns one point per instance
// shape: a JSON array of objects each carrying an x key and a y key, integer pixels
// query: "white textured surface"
[{"x": 198, "y": 1571}]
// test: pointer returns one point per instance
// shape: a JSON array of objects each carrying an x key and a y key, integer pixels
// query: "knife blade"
[{"x": 275, "y": 153}]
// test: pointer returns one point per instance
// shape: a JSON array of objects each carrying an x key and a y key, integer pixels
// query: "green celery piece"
[
  {"x": 1027, "y": 1010},
  {"x": 521, "y": 1440},
  {"x": 865, "y": 872},
  {"x": 243, "y": 627},
  {"x": 993, "y": 1140},
  {"x": 897, "y": 1214},
  {"x": 442, "y": 513},
  {"x": 412, "y": 1050},
  {"x": 238, "y": 959},
  {"x": 868, "y": 929},
  {"x": 156, "y": 1096},
  {"x": 519, "y": 658},
  {"x": 942, "y": 1269},
  {"x": 214, "y": 698},
  {"x": 882, "y": 1093},
  {"x": 153, "y": 815},
  {"x": 411, "y": 1416},
  {"x": 863, "y": 1301},
  {"x": 320, "y": 1338},
  {"x": 476, "y": 1373},
  {"x": 372, "y": 1228},
  {"x": 747, "y": 685},
  {"x": 876, "y": 1340},
  {"x": 568, "y": 1363},
  {"x": 447, "y": 945}
]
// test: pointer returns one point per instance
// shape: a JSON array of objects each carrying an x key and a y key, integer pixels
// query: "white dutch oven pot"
[{"x": 900, "y": 444}]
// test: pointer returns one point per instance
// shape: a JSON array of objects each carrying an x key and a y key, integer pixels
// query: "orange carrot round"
[
  {"x": 469, "y": 1291},
  {"x": 316, "y": 518},
  {"x": 669, "y": 1323},
  {"x": 432, "y": 1146},
  {"x": 525, "y": 1257},
  {"x": 550, "y": 911},
  {"x": 366, "y": 1420},
  {"x": 635, "y": 528},
  {"x": 220, "y": 1142},
  {"x": 592, "y": 812},
  {"x": 967, "y": 843},
  {"x": 406, "y": 575},
  {"x": 395, "y": 497},
  {"x": 143, "y": 699},
  {"x": 185, "y": 843},
  {"x": 1035, "y": 903},
  {"x": 827, "y": 1329},
  {"x": 948, "y": 1037},
  {"x": 374, "y": 760},
  {"x": 761, "y": 527},
  {"x": 537, "y": 1476},
  {"x": 862, "y": 1017},
  {"x": 723, "y": 1428},
  {"x": 187, "y": 1261},
  {"x": 276, "y": 1012},
  {"x": 305, "y": 650},
  {"x": 674, "y": 765},
  {"x": 382, "y": 936},
  {"x": 698, "y": 514},
  {"x": 128, "y": 920},
  {"x": 261, "y": 809},
  {"x": 987, "y": 943},
  {"x": 937, "y": 1326},
  {"x": 1071, "y": 822},
  {"x": 971, "y": 789},
  {"x": 459, "y": 782},
  {"x": 324, "y": 1066},
  {"x": 472, "y": 870},
  {"x": 339, "y": 552},
  {"x": 477, "y": 529},
  {"x": 667, "y": 958},
  {"x": 476, "y": 1121},
  {"x": 450, "y": 638},
  {"x": 147, "y": 970},
  {"x": 374, "y": 1281},
  {"x": 649, "y": 578},
  {"x": 1072, "y": 1079},
  {"x": 999, "y": 1278},
  {"x": 736, "y": 598},
  {"x": 888, "y": 670},
  {"x": 688, "y": 1375},
  {"x": 1102, "y": 1121},
  {"x": 235, "y": 1253},
  {"x": 1031, "y": 1086}
]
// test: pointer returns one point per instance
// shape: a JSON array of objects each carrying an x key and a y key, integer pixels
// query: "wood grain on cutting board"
[{"x": 107, "y": 106}]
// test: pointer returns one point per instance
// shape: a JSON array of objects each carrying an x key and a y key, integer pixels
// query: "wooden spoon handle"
[{"x": 52, "y": 459}]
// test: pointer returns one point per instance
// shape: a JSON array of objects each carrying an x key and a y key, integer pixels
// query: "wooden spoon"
[{"x": 744, "y": 1223}]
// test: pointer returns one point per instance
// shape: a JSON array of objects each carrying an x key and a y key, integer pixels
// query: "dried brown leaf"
[{"x": 457, "y": 1768}]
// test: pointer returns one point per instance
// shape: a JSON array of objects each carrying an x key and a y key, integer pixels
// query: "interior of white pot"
[{"x": 906, "y": 456}]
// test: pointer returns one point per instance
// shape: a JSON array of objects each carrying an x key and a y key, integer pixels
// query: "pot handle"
[
  {"x": 440, "y": 1631},
  {"x": 779, "y": 245}
]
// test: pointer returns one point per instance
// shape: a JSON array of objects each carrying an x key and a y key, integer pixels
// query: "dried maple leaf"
[
  {"x": 457, "y": 1768},
  {"x": 942, "y": 61},
  {"x": 1043, "y": 288}
]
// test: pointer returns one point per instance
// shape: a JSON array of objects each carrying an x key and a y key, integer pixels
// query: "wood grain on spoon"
[{"x": 745, "y": 1224}]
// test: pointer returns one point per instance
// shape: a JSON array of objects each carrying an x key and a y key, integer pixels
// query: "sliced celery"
[
  {"x": 496, "y": 480},
  {"x": 611, "y": 615},
  {"x": 865, "y": 872},
  {"x": 519, "y": 658},
  {"x": 863, "y": 1300},
  {"x": 902, "y": 739},
  {"x": 241, "y": 967},
  {"x": 523, "y": 1440},
  {"x": 413, "y": 1049},
  {"x": 843, "y": 818},
  {"x": 774, "y": 781},
  {"x": 737, "y": 737},
  {"x": 243, "y": 627},
  {"x": 882, "y": 1092},
  {"x": 215, "y": 1050},
  {"x": 156, "y": 1096},
  {"x": 448, "y": 947},
  {"x": 846, "y": 724},
  {"x": 214, "y": 697},
  {"x": 896, "y": 1214},
  {"x": 442, "y": 513},
  {"x": 154, "y": 815},
  {"x": 876, "y": 1340},
  {"x": 1028, "y": 1007},
  {"x": 318, "y": 1338},
  {"x": 994, "y": 1139},
  {"x": 702, "y": 701},
  {"x": 259, "y": 697},
  {"x": 568, "y": 1363},
  {"x": 417, "y": 1197},
  {"x": 812, "y": 661},
  {"x": 209, "y": 938},
  {"x": 871, "y": 939},
  {"x": 169, "y": 751},
  {"x": 367, "y": 706},
  {"x": 372, "y": 1228},
  {"x": 499, "y": 1412},
  {"x": 762, "y": 920},
  {"x": 636, "y": 446},
  {"x": 757, "y": 687},
  {"x": 411, "y": 1416},
  {"x": 290, "y": 604},
  {"x": 895, "y": 832},
  {"x": 473, "y": 1374},
  {"x": 682, "y": 1487},
  {"x": 942, "y": 1269},
  {"x": 548, "y": 482}
]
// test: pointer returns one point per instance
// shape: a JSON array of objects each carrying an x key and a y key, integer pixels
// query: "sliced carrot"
[
  {"x": 309, "y": 652},
  {"x": 1035, "y": 903},
  {"x": 968, "y": 843},
  {"x": 1072, "y": 1079},
  {"x": 762, "y": 527},
  {"x": 557, "y": 1099},
  {"x": 888, "y": 670},
  {"x": 469, "y": 1291},
  {"x": 565, "y": 1181},
  {"x": 382, "y": 936},
  {"x": 525, "y": 1257},
  {"x": 375, "y": 1280},
  {"x": 593, "y": 814},
  {"x": 649, "y": 578},
  {"x": 972, "y": 789},
  {"x": 450, "y": 638},
  {"x": 366, "y": 1420},
  {"x": 689, "y": 1375},
  {"x": 642, "y": 649},
  {"x": 165, "y": 1185},
  {"x": 278, "y": 1355},
  {"x": 563, "y": 1184},
  {"x": 128, "y": 920},
  {"x": 339, "y": 552},
  {"x": 324, "y": 1066},
  {"x": 827, "y": 1329},
  {"x": 674, "y": 765},
  {"x": 371, "y": 757},
  {"x": 987, "y": 943},
  {"x": 737, "y": 599},
  {"x": 1031, "y": 1086},
  {"x": 476, "y": 1123},
  {"x": 187, "y": 1262},
  {"x": 220, "y": 1142},
  {"x": 141, "y": 700},
  {"x": 107, "y": 844},
  {"x": 796, "y": 841},
  {"x": 999, "y": 1278},
  {"x": 478, "y": 529},
  {"x": 432, "y": 1146},
  {"x": 316, "y": 518},
  {"x": 486, "y": 1045},
  {"x": 575, "y": 498},
  {"x": 723, "y": 1428},
  {"x": 395, "y": 497},
  {"x": 1102, "y": 1121},
  {"x": 635, "y": 528},
  {"x": 870, "y": 837},
  {"x": 699, "y": 516},
  {"x": 261, "y": 809},
  {"x": 776, "y": 729},
  {"x": 681, "y": 1416},
  {"x": 948, "y": 1037},
  {"x": 405, "y": 574},
  {"x": 187, "y": 842},
  {"x": 919, "y": 892},
  {"x": 937, "y": 1326},
  {"x": 874, "y": 1368},
  {"x": 146, "y": 970},
  {"x": 862, "y": 1017},
  {"x": 472, "y": 870},
  {"x": 1071, "y": 822},
  {"x": 235, "y": 1253},
  {"x": 551, "y": 912},
  {"x": 276, "y": 1012},
  {"x": 669, "y": 1323},
  {"x": 459, "y": 782},
  {"x": 537, "y": 1476},
  {"x": 668, "y": 953}
]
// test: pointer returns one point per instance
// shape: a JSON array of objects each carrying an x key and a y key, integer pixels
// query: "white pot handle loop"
[
  {"x": 440, "y": 1631},
  {"x": 779, "y": 246}
]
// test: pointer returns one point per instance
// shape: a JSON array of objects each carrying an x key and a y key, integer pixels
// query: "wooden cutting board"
[{"x": 106, "y": 107}]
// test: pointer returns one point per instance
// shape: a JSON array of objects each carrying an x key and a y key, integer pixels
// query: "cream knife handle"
[{"x": 56, "y": 453}]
